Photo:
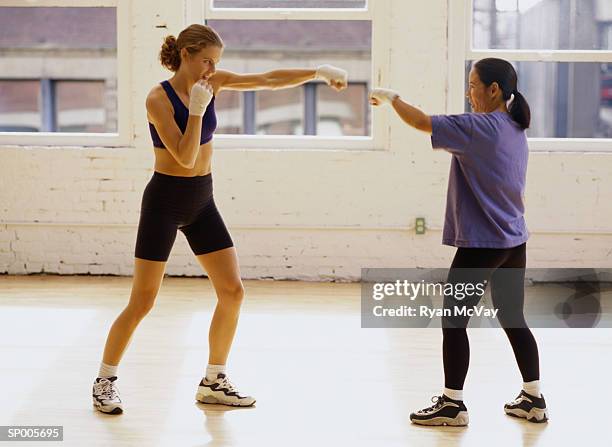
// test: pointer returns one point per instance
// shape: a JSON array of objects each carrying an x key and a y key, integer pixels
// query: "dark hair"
[
  {"x": 193, "y": 38},
  {"x": 492, "y": 70}
]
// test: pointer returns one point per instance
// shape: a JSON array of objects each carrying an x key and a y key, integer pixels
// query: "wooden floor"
[{"x": 319, "y": 379}]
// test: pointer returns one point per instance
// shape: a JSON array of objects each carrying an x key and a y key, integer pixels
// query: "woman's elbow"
[
  {"x": 184, "y": 162},
  {"x": 424, "y": 124},
  {"x": 187, "y": 164},
  {"x": 273, "y": 84}
]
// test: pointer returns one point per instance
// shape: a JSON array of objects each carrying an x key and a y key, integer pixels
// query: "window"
[
  {"x": 50, "y": 105},
  {"x": 349, "y": 4},
  {"x": 562, "y": 51},
  {"x": 59, "y": 75},
  {"x": 313, "y": 109},
  {"x": 262, "y": 35}
]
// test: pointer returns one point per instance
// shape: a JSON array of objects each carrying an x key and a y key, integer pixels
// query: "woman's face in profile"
[{"x": 483, "y": 99}]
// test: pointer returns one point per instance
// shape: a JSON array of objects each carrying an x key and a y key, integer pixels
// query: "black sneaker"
[
  {"x": 106, "y": 396},
  {"x": 528, "y": 407},
  {"x": 444, "y": 411}
]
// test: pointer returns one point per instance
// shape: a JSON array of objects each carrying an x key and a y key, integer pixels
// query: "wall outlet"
[{"x": 419, "y": 225}]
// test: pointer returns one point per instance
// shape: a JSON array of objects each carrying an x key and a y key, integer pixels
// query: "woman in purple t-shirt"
[{"x": 485, "y": 221}]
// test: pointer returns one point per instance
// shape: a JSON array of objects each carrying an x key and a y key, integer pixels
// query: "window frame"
[
  {"x": 378, "y": 13},
  {"x": 123, "y": 137},
  {"x": 460, "y": 51}
]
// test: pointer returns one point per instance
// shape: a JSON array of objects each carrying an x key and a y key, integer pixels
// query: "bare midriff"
[{"x": 166, "y": 164}]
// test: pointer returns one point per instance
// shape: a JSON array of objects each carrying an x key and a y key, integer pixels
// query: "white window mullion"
[
  {"x": 124, "y": 72},
  {"x": 543, "y": 56},
  {"x": 381, "y": 62},
  {"x": 57, "y": 139},
  {"x": 459, "y": 43},
  {"x": 570, "y": 145},
  {"x": 297, "y": 142},
  {"x": 467, "y": 15},
  {"x": 286, "y": 14},
  {"x": 196, "y": 11},
  {"x": 64, "y": 3}
]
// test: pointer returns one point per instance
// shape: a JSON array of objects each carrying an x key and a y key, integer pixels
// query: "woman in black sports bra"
[{"x": 179, "y": 196}]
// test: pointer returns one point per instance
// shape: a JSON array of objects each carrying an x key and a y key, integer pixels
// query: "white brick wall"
[{"x": 293, "y": 214}]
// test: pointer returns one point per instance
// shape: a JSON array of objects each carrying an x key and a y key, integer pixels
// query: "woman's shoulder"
[
  {"x": 157, "y": 102},
  {"x": 157, "y": 96},
  {"x": 156, "y": 92}
]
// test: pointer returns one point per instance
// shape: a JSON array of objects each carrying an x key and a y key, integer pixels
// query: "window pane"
[
  {"x": 73, "y": 52},
  {"x": 19, "y": 107},
  {"x": 541, "y": 24},
  {"x": 230, "y": 113},
  {"x": 280, "y": 112},
  {"x": 80, "y": 107},
  {"x": 567, "y": 100},
  {"x": 289, "y": 3},
  {"x": 344, "y": 113},
  {"x": 252, "y": 48}
]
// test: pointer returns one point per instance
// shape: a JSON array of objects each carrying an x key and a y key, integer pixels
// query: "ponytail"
[
  {"x": 520, "y": 111},
  {"x": 170, "y": 56}
]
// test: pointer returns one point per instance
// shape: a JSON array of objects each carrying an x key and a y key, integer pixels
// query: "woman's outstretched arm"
[
  {"x": 279, "y": 79},
  {"x": 409, "y": 114}
]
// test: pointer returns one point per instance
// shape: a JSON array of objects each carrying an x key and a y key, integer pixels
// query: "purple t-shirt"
[{"x": 484, "y": 202}]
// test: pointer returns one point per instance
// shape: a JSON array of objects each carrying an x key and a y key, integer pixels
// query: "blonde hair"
[{"x": 193, "y": 39}]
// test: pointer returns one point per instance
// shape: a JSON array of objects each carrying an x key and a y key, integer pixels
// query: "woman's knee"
[
  {"x": 141, "y": 302},
  {"x": 231, "y": 293}
]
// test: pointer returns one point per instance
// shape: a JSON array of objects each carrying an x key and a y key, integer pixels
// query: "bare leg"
[
  {"x": 147, "y": 280},
  {"x": 224, "y": 273}
]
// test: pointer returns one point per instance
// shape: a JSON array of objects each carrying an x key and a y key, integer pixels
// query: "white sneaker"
[
  {"x": 106, "y": 396},
  {"x": 444, "y": 411},
  {"x": 221, "y": 391},
  {"x": 529, "y": 407}
]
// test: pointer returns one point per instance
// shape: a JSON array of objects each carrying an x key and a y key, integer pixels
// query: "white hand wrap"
[
  {"x": 329, "y": 74},
  {"x": 201, "y": 94},
  {"x": 383, "y": 95}
]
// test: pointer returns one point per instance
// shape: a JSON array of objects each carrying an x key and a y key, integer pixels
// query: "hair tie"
[{"x": 511, "y": 100}]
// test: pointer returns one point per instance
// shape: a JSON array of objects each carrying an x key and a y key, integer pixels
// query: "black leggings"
[
  {"x": 508, "y": 295},
  {"x": 171, "y": 203}
]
